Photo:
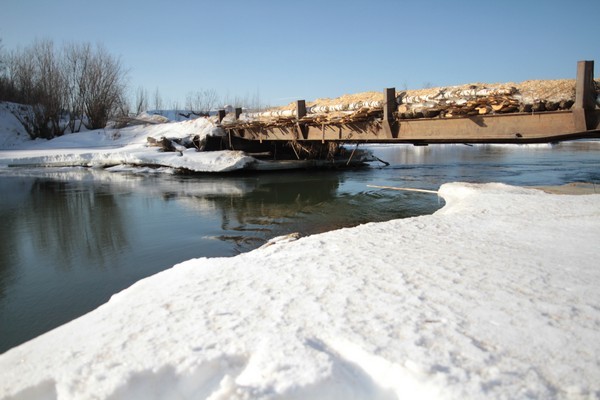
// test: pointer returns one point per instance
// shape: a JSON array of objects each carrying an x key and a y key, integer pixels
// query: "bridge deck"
[{"x": 580, "y": 122}]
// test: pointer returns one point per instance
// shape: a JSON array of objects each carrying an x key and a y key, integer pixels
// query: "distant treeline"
[
  {"x": 64, "y": 88},
  {"x": 79, "y": 85}
]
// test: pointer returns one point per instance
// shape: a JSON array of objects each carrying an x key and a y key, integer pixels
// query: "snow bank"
[
  {"x": 127, "y": 146},
  {"x": 494, "y": 296},
  {"x": 12, "y": 132}
]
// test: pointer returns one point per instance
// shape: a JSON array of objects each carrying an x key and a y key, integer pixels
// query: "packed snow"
[
  {"x": 493, "y": 296},
  {"x": 110, "y": 147}
]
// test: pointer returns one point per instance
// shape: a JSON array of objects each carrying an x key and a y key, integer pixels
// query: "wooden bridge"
[{"x": 581, "y": 121}]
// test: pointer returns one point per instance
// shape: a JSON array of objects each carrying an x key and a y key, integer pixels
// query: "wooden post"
[
  {"x": 390, "y": 126},
  {"x": 584, "y": 96},
  {"x": 300, "y": 109},
  {"x": 221, "y": 115},
  {"x": 239, "y": 132},
  {"x": 301, "y": 112}
]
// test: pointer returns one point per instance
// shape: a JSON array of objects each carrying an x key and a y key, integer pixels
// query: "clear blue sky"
[{"x": 287, "y": 50}]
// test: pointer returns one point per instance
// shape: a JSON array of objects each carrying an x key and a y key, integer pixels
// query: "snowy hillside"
[{"x": 12, "y": 132}]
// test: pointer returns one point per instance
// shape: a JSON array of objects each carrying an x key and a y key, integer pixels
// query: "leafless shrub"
[
  {"x": 250, "y": 102},
  {"x": 201, "y": 102},
  {"x": 104, "y": 88},
  {"x": 158, "y": 104},
  {"x": 52, "y": 89},
  {"x": 141, "y": 100},
  {"x": 76, "y": 59},
  {"x": 81, "y": 84},
  {"x": 37, "y": 78}
]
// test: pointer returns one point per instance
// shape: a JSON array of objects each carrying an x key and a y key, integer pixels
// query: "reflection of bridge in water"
[{"x": 386, "y": 125}]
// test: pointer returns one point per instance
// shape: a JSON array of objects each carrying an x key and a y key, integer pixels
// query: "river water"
[{"x": 70, "y": 238}]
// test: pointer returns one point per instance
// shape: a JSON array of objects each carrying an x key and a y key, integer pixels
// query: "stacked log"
[
  {"x": 477, "y": 99},
  {"x": 442, "y": 102},
  {"x": 316, "y": 115}
]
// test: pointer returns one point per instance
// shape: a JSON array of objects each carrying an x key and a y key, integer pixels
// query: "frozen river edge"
[{"x": 493, "y": 296}]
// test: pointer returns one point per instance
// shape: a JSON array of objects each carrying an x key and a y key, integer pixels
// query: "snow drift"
[
  {"x": 117, "y": 147},
  {"x": 493, "y": 296}
]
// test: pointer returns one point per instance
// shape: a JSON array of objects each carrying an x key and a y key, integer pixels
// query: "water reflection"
[
  {"x": 74, "y": 222},
  {"x": 14, "y": 193},
  {"x": 56, "y": 235},
  {"x": 249, "y": 219}
]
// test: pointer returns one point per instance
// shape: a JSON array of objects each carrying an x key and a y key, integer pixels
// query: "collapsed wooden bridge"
[{"x": 498, "y": 119}]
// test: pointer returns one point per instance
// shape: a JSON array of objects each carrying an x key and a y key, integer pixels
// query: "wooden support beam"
[
  {"x": 220, "y": 115},
  {"x": 389, "y": 103},
  {"x": 585, "y": 101},
  {"x": 301, "y": 112},
  {"x": 300, "y": 109},
  {"x": 390, "y": 125}
]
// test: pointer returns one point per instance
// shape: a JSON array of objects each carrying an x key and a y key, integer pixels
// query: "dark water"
[{"x": 70, "y": 239}]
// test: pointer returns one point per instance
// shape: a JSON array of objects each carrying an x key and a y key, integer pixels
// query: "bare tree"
[
  {"x": 36, "y": 75},
  {"x": 255, "y": 104},
  {"x": 141, "y": 100},
  {"x": 80, "y": 83},
  {"x": 21, "y": 72},
  {"x": 4, "y": 82},
  {"x": 248, "y": 101},
  {"x": 20, "y": 75},
  {"x": 211, "y": 99},
  {"x": 201, "y": 101},
  {"x": 76, "y": 60},
  {"x": 104, "y": 88},
  {"x": 38, "y": 81},
  {"x": 51, "y": 81},
  {"x": 157, "y": 100},
  {"x": 175, "y": 107}
]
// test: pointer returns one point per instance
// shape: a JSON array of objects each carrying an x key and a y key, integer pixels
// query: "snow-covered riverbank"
[
  {"x": 131, "y": 147},
  {"x": 493, "y": 296},
  {"x": 117, "y": 147}
]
